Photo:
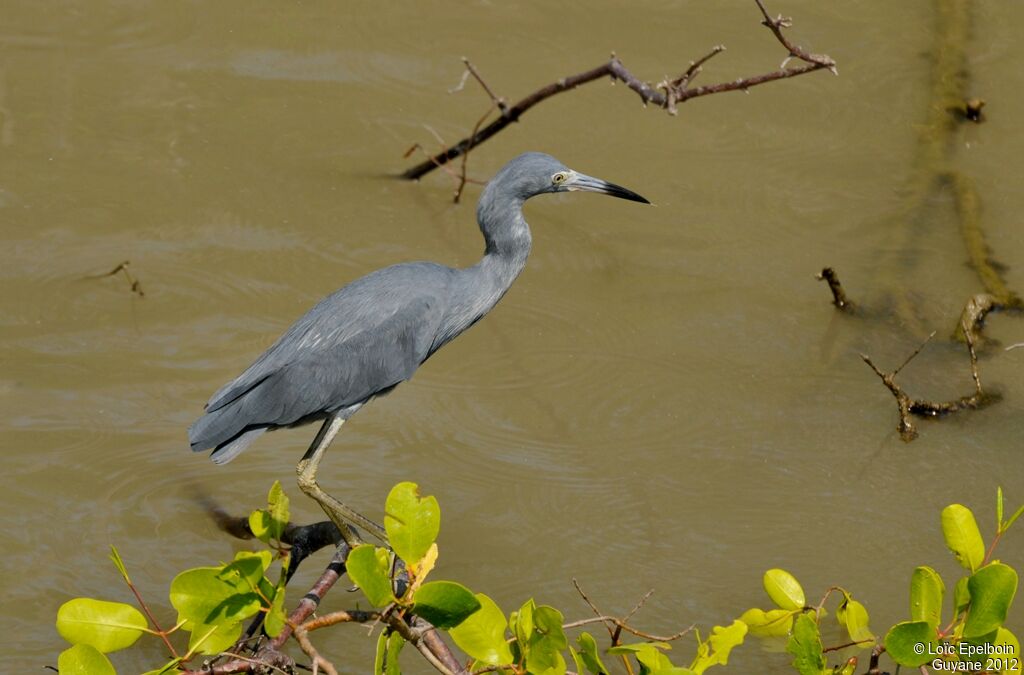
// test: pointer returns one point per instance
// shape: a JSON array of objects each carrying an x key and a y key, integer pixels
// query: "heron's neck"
[
  {"x": 475, "y": 290},
  {"x": 508, "y": 243}
]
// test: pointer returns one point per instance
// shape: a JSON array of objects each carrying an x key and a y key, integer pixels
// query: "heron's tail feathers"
[
  {"x": 222, "y": 432},
  {"x": 226, "y": 452}
]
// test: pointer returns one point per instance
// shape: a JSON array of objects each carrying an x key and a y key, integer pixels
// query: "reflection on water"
[{"x": 664, "y": 399}]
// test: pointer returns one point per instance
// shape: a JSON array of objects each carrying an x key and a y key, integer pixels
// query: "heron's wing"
[{"x": 366, "y": 337}]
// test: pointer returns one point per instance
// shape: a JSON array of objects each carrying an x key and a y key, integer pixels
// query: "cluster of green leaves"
[
  {"x": 528, "y": 641},
  {"x": 981, "y": 600},
  {"x": 212, "y": 604},
  {"x": 412, "y": 524},
  {"x": 793, "y": 619}
]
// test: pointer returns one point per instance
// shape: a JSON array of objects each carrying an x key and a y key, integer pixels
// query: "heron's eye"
[{"x": 559, "y": 177}]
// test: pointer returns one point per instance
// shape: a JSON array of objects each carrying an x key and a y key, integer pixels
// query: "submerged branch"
[
  {"x": 909, "y": 406},
  {"x": 968, "y": 207},
  {"x": 134, "y": 285}
]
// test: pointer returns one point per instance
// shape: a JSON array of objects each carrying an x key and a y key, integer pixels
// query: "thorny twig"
[
  {"x": 667, "y": 97},
  {"x": 499, "y": 101},
  {"x": 621, "y": 623},
  {"x": 615, "y": 625}
]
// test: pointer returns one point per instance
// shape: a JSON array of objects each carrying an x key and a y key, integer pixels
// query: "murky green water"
[{"x": 665, "y": 399}]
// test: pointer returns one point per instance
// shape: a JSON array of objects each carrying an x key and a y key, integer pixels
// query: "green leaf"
[
  {"x": 999, "y": 508},
  {"x": 84, "y": 659},
  {"x": 543, "y": 653},
  {"x": 445, "y": 604},
  {"x": 636, "y": 647},
  {"x": 577, "y": 661},
  {"x": 547, "y": 626},
  {"x": 784, "y": 589},
  {"x": 588, "y": 654},
  {"x": 277, "y": 507},
  {"x": 1011, "y": 657},
  {"x": 653, "y": 661},
  {"x": 854, "y": 616},
  {"x": 773, "y": 623},
  {"x": 276, "y": 618},
  {"x": 650, "y": 657},
  {"x": 912, "y": 643},
  {"x": 926, "y": 591},
  {"x": 107, "y": 626},
  {"x": 961, "y": 596},
  {"x": 805, "y": 646},
  {"x": 962, "y": 536},
  {"x": 1013, "y": 518},
  {"x": 369, "y": 569},
  {"x": 269, "y": 524},
  {"x": 720, "y": 643},
  {"x": 522, "y": 623},
  {"x": 412, "y": 522},
  {"x": 542, "y": 660},
  {"x": 169, "y": 667},
  {"x": 214, "y": 638},
  {"x": 389, "y": 644},
  {"x": 482, "y": 634},
  {"x": 992, "y": 589},
  {"x": 119, "y": 564},
  {"x": 259, "y": 524},
  {"x": 849, "y": 668},
  {"x": 203, "y": 596},
  {"x": 245, "y": 572},
  {"x": 382, "y": 648}
]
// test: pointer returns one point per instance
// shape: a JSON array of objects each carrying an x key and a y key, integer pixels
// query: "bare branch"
[
  {"x": 498, "y": 101},
  {"x": 777, "y": 24},
  {"x": 909, "y": 406},
  {"x": 302, "y": 637},
  {"x": 668, "y": 96},
  {"x": 615, "y": 621},
  {"x": 914, "y": 355}
]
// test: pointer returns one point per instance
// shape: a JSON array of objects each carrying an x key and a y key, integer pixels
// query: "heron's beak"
[{"x": 585, "y": 183}]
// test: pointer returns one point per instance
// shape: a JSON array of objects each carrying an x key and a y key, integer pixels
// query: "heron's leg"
[{"x": 335, "y": 510}]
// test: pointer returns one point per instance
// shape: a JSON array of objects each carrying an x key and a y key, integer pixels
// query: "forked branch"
[
  {"x": 667, "y": 94},
  {"x": 909, "y": 406}
]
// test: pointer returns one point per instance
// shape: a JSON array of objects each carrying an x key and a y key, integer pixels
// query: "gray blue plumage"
[{"x": 371, "y": 335}]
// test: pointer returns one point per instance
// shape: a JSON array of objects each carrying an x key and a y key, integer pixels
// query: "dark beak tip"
[
  {"x": 633, "y": 197},
  {"x": 625, "y": 193}
]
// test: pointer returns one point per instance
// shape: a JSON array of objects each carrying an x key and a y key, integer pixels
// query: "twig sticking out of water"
[
  {"x": 133, "y": 283},
  {"x": 972, "y": 319},
  {"x": 667, "y": 94},
  {"x": 909, "y": 406},
  {"x": 839, "y": 298}
]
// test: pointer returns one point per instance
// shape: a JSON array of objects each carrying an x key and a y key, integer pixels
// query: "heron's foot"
[{"x": 341, "y": 514}]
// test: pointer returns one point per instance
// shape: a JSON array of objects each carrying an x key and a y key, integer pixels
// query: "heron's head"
[{"x": 534, "y": 173}]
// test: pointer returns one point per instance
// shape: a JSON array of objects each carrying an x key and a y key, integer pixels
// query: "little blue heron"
[{"x": 369, "y": 336}]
